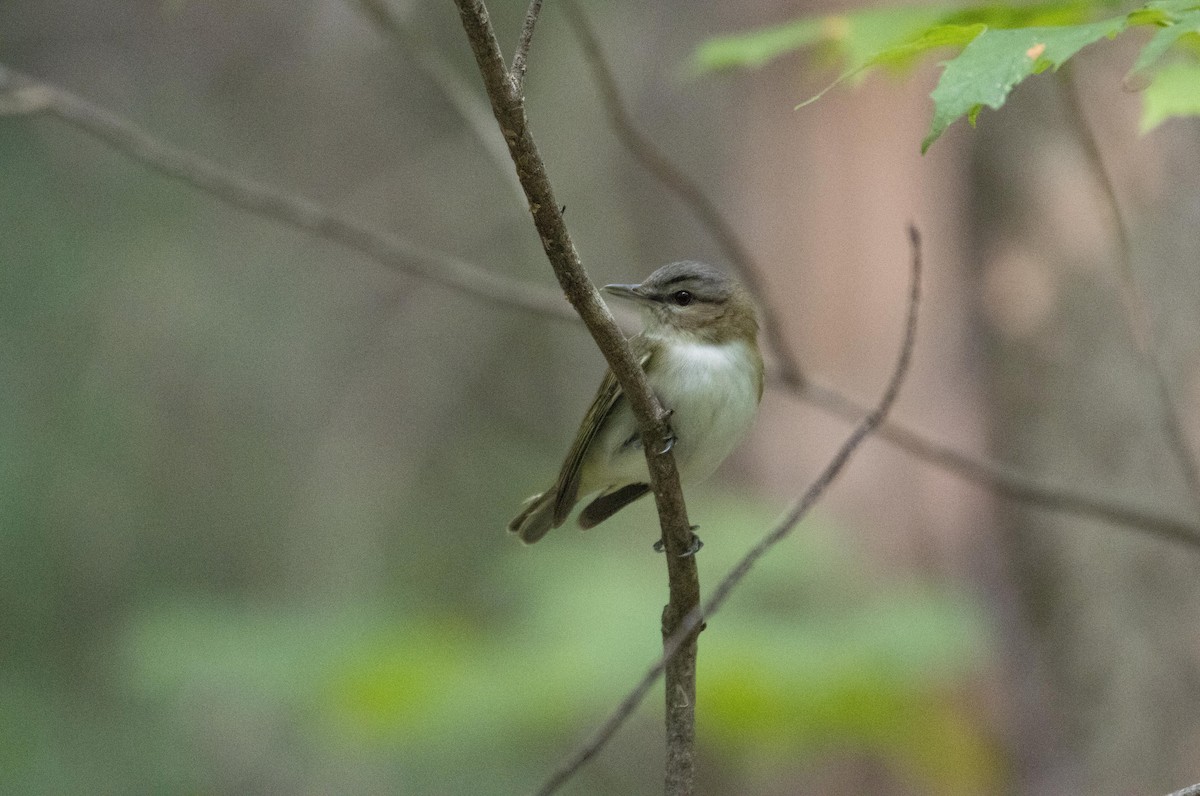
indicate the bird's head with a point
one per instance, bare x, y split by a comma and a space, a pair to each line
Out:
693, 299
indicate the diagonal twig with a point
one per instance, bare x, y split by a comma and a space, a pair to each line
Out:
780, 531
1139, 315
23, 95
1003, 480
521, 56
458, 93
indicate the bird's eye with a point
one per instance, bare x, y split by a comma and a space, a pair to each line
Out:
681, 297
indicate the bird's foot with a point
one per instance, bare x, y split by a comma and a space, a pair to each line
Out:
669, 439
693, 547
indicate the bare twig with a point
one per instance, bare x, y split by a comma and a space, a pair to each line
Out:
521, 56
1140, 318
1003, 480
22, 95
675, 179
782, 528
1191, 790
461, 96
296, 211
868, 425
684, 584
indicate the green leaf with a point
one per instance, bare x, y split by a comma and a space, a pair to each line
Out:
954, 29
1002, 45
1072, 12
1182, 25
881, 35
997, 60
901, 55
932, 39
756, 48
1174, 91
853, 39
866, 34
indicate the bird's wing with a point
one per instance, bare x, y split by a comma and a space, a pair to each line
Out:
607, 398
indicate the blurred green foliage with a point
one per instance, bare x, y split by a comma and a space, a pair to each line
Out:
1000, 45
810, 657
1174, 92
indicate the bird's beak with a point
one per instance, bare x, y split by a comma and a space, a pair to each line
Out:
631, 292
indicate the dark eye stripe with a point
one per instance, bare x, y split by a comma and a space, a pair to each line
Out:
675, 280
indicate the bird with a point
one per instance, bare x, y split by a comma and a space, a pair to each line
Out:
699, 350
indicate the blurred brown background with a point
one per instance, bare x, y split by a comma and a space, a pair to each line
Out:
254, 484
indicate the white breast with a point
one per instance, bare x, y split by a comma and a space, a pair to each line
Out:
713, 390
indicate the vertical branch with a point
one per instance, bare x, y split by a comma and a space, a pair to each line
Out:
509, 110
1140, 317
679, 677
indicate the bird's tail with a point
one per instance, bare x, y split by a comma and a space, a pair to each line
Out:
536, 517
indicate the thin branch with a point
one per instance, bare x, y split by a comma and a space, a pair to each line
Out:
521, 56
684, 584
781, 530
461, 95
675, 179
21, 95
1140, 317
1005, 481
868, 425
1191, 790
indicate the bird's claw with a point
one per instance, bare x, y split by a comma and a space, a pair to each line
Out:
669, 439
668, 443
693, 547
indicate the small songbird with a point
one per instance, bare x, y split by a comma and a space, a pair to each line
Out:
699, 350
